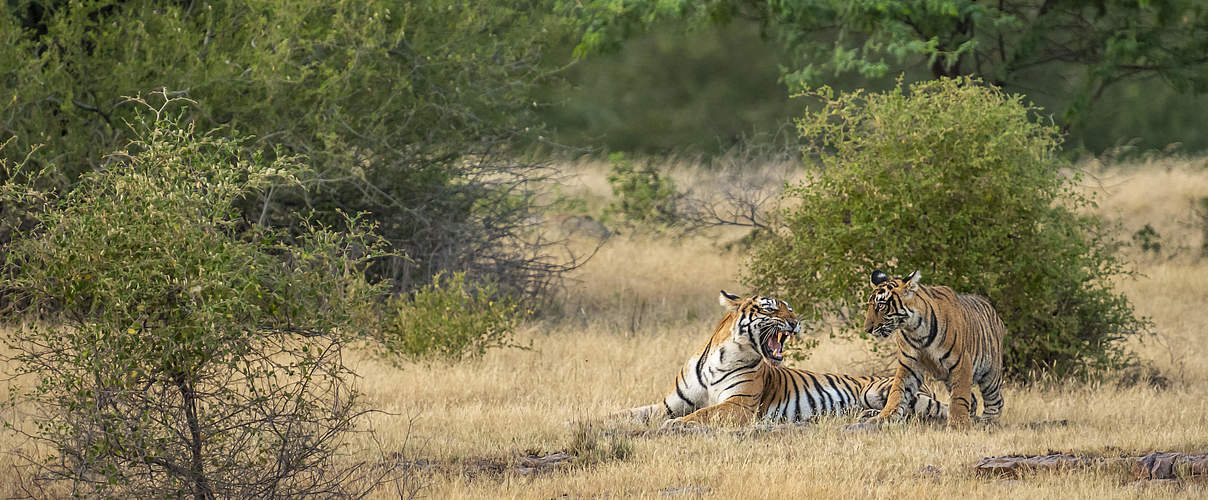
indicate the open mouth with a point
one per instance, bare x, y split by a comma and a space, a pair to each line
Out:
773, 347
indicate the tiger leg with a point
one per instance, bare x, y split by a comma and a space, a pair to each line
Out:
873, 396
674, 405
961, 383
902, 394
991, 389
641, 415
927, 408
728, 412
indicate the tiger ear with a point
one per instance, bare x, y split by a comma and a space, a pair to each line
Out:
912, 281
878, 277
729, 301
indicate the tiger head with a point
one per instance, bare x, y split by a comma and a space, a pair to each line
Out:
761, 323
887, 309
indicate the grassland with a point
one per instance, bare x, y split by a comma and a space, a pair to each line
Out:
635, 311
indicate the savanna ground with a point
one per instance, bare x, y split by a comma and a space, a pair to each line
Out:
634, 312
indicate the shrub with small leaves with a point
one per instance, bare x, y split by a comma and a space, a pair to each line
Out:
642, 195
413, 113
450, 318
955, 179
1148, 240
174, 349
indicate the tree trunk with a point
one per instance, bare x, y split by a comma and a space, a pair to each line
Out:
201, 484
939, 69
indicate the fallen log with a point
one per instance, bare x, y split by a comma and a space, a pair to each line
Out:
1169, 466
1158, 465
1018, 465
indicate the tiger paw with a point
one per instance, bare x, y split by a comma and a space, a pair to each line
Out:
679, 425
959, 423
881, 419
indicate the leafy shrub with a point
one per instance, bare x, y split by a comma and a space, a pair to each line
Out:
643, 196
1148, 239
450, 317
179, 351
409, 112
963, 183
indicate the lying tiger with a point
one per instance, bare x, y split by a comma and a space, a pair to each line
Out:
736, 377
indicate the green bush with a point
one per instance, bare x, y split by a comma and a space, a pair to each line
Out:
1148, 240
963, 183
171, 348
449, 318
642, 195
409, 112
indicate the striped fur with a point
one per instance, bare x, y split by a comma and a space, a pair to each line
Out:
736, 376
953, 337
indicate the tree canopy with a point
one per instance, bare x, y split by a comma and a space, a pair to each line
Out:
407, 111
1080, 47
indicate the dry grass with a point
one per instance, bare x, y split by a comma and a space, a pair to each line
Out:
1170, 286
645, 302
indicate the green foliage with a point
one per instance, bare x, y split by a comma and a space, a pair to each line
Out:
1148, 239
1092, 46
642, 195
1144, 117
178, 350
407, 111
662, 93
957, 180
449, 318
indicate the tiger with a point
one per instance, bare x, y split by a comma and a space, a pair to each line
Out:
956, 338
737, 376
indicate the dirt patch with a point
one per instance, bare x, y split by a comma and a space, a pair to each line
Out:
1044, 424
685, 491
1158, 466
753, 431
525, 464
929, 472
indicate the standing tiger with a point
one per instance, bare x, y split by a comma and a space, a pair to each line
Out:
955, 338
736, 376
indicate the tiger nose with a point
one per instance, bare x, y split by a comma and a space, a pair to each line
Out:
868, 329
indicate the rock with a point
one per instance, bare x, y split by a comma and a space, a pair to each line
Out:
1168, 466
